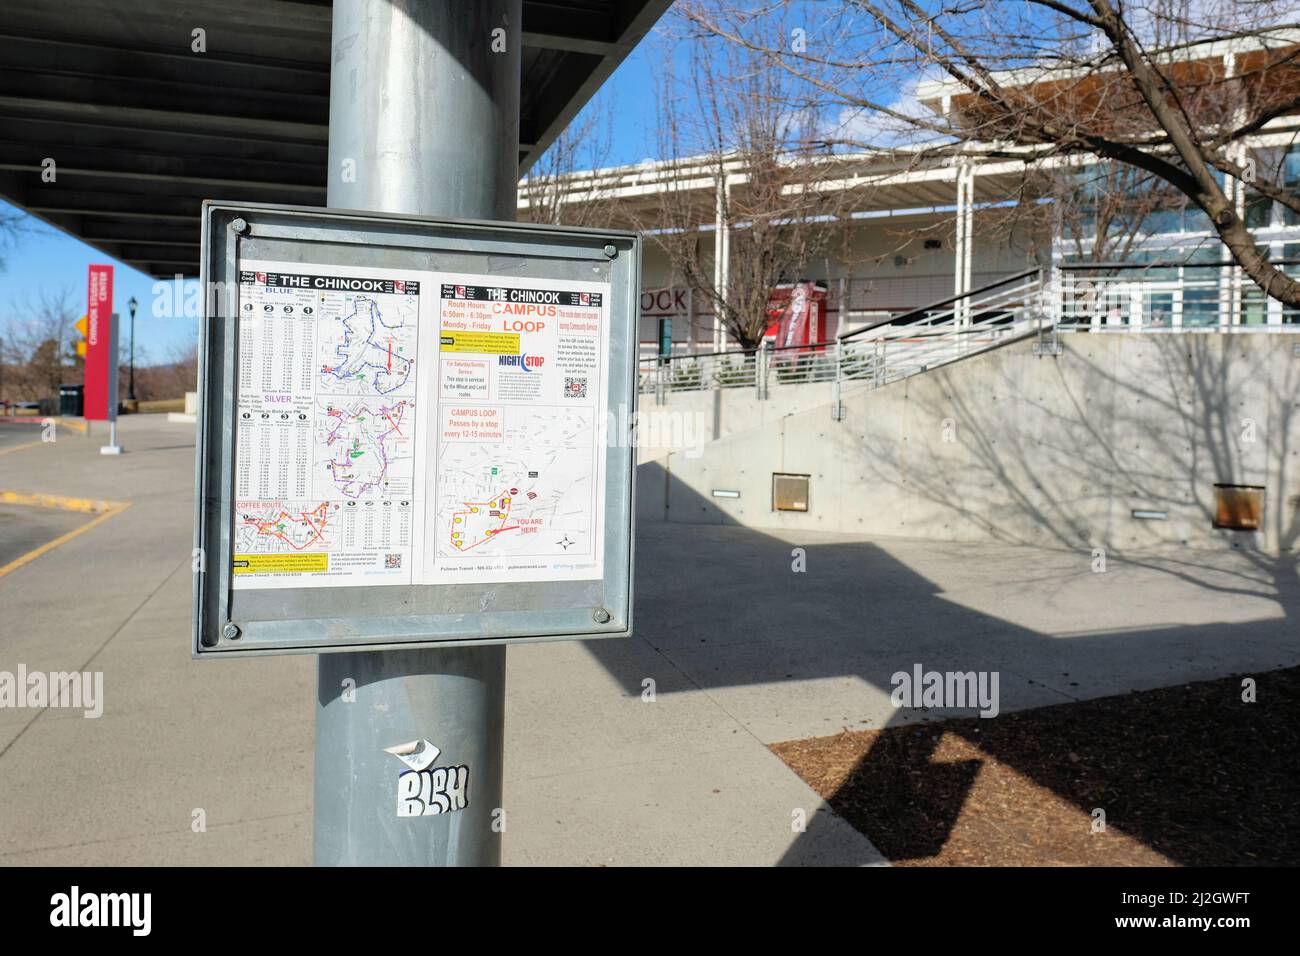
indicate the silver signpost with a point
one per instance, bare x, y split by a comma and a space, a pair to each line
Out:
415, 438
112, 448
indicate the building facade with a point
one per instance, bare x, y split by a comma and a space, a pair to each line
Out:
916, 228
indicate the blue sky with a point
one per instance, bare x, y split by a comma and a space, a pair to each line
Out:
631, 93
45, 260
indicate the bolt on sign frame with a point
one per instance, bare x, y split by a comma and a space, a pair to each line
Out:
331, 615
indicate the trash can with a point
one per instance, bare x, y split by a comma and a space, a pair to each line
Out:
72, 400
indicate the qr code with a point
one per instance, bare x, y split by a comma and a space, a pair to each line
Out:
392, 561
575, 387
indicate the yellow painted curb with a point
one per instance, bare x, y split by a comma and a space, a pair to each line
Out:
102, 510
90, 506
29, 444
69, 423
72, 423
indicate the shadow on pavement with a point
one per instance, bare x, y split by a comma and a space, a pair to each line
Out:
1195, 775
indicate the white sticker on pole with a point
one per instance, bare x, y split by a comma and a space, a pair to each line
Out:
424, 790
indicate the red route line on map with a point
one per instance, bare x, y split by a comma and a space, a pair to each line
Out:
505, 516
318, 534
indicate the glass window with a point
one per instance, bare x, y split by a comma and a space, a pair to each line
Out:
1204, 267
1291, 180
1259, 211
1164, 221
1291, 250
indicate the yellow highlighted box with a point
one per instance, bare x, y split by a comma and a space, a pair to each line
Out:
486, 343
279, 563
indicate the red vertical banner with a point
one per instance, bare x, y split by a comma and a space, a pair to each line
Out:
796, 313
101, 346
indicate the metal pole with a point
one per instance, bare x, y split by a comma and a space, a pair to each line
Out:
112, 448
130, 387
837, 407
424, 107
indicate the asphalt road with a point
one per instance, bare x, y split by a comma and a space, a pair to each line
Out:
12, 434
24, 528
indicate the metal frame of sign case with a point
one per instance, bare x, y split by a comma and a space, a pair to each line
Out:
320, 619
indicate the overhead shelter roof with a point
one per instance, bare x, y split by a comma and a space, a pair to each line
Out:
142, 128
904, 182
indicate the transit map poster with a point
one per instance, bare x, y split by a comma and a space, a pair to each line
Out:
398, 427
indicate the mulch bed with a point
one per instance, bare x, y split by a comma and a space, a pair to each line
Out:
1187, 775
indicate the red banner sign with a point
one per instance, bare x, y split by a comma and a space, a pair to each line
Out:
796, 314
101, 347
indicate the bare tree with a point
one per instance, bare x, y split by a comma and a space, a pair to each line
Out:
169, 378
12, 225
731, 116
38, 352
565, 170
1044, 81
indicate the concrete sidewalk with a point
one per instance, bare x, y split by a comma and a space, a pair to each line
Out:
594, 774
232, 740
742, 652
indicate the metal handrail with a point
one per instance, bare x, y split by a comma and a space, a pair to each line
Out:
1220, 264
1009, 303
942, 303
921, 339
827, 343
891, 354
796, 348
698, 355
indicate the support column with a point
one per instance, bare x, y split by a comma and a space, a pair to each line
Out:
690, 319
424, 107
970, 233
1230, 298
962, 248
721, 260
846, 283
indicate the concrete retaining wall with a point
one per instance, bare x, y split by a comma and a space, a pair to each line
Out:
687, 417
1011, 446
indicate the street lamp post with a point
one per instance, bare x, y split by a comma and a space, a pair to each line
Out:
130, 387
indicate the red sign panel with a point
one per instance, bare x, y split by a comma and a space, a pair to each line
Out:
796, 314
101, 347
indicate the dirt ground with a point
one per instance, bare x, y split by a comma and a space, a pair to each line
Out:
1188, 775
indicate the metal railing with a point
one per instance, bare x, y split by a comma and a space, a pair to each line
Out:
1008, 292
1167, 297
693, 373
1086, 297
875, 355
945, 331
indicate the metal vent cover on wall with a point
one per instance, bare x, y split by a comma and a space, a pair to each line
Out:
1238, 507
789, 492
